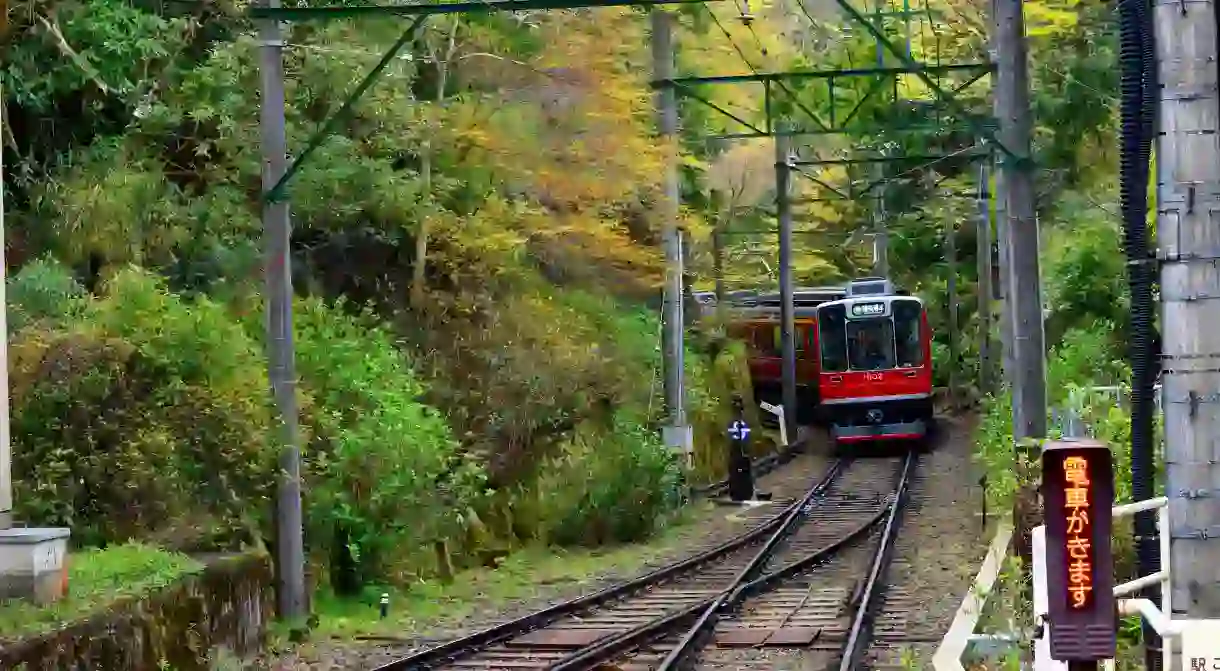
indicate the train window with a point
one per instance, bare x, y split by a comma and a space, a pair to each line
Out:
871, 344
907, 327
777, 340
834, 338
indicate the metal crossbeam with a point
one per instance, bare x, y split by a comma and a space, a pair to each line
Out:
982, 67
328, 13
891, 159
922, 73
773, 231
980, 120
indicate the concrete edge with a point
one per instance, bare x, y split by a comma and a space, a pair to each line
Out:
948, 656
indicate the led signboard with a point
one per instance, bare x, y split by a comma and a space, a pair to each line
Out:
1078, 498
867, 309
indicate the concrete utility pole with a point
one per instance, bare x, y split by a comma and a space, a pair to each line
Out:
672, 334
290, 542
6, 462
1188, 203
1021, 232
951, 260
983, 252
787, 318
881, 231
1000, 196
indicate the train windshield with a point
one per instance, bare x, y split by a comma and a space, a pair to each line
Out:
878, 343
907, 327
870, 343
833, 338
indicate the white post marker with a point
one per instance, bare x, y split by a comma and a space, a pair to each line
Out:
1042, 646
778, 411
31, 560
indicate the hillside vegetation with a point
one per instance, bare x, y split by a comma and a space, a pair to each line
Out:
476, 254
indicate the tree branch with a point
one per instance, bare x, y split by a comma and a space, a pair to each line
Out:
66, 49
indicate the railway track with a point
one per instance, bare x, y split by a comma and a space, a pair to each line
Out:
664, 620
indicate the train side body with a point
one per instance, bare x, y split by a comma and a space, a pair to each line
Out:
756, 321
875, 377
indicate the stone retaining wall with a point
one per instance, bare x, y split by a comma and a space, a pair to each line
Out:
224, 608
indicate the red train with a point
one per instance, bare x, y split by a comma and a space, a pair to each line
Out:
864, 358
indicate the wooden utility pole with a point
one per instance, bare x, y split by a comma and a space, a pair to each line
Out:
783, 208
983, 252
277, 227
678, 434
1188, 200
1021, 232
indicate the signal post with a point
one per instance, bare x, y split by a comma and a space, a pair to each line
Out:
1078, 497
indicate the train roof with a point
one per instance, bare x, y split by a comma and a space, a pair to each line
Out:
852, 300
801, 296
772, 313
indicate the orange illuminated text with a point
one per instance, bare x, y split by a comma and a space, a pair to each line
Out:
1079, 544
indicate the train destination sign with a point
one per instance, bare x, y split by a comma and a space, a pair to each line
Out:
867, 309
1078, 498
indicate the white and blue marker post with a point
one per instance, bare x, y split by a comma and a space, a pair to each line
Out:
741, 473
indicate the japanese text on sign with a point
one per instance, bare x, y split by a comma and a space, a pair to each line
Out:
1199, 650
1079, 544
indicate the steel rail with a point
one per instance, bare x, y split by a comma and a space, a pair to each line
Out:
862, 624
607, 649
730, 597
460, 647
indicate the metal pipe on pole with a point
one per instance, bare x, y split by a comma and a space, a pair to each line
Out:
277, 227
1188, 199
983, 253
783, 208
678, 433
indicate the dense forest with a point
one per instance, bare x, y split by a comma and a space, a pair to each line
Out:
476, 256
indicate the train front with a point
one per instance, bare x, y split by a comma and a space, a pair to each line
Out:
875, 380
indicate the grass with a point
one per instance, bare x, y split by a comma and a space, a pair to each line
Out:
97, 579
525, 575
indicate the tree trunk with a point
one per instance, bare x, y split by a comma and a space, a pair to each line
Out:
420, 267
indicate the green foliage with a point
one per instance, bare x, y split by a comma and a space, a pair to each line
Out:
1085, 356
148, 418
1085, 267
107, 44
384, 468
610, 486
43, 291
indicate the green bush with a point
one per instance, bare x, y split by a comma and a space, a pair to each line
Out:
147, 419
43, 290
386, 477
611, 485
